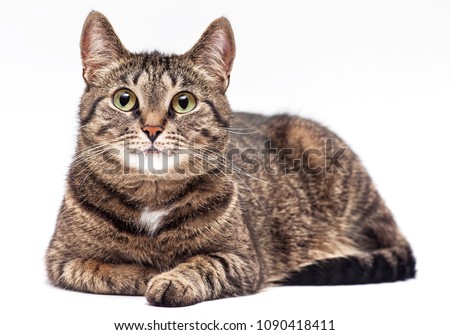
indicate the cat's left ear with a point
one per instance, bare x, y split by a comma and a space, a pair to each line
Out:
215, 50
100, 46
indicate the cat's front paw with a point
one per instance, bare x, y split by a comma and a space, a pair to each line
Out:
171, 290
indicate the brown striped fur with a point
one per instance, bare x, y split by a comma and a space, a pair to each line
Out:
215, 230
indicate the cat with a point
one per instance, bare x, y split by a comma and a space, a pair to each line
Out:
174, 197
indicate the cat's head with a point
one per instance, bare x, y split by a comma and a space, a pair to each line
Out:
150, 113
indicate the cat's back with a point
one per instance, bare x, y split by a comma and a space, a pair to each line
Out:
248, 121
292, 169
280, 131
289, 161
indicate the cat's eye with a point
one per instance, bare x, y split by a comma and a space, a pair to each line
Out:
125, 100
183, 102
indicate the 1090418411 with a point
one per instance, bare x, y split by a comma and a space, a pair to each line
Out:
299, 325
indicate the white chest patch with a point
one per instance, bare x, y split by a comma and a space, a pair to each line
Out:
150, 219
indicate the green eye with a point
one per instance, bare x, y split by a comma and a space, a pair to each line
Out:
125, 100
183, 102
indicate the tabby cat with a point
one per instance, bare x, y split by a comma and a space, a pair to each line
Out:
174, 197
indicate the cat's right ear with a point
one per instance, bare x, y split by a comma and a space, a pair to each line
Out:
100, 46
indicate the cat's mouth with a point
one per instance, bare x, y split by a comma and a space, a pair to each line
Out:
152, 150
155, 151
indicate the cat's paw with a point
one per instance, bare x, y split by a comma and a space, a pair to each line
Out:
170, 290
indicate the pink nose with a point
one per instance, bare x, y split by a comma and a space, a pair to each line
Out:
152, 132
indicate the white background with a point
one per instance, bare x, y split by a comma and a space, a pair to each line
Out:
376, 72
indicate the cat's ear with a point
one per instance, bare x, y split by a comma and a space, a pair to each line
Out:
215, 50
99, 45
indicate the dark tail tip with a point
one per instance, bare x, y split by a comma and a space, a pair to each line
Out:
385, 266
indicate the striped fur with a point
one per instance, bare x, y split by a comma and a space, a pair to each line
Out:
207, 231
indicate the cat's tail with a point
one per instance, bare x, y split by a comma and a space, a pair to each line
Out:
382, 265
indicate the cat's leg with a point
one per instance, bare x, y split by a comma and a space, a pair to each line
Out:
89, 275
205, 277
